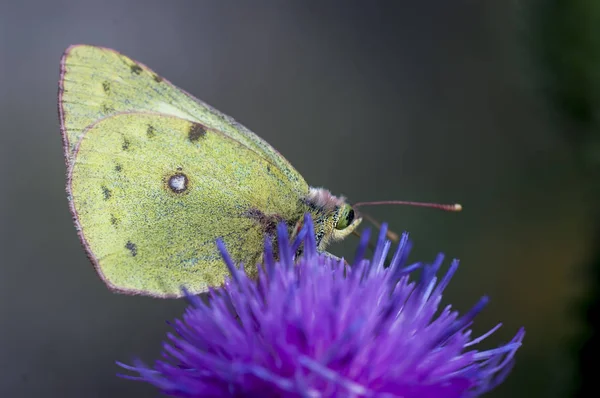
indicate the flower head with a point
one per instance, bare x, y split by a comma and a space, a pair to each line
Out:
316, 327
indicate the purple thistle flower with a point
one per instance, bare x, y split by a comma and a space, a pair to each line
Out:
321, 328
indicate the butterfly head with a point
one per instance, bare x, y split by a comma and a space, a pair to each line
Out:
334, 218
346, 221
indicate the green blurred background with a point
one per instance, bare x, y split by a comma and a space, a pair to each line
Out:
492, 104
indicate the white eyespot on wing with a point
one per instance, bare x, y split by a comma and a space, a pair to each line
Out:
178, 182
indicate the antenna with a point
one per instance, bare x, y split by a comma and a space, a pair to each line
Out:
445, 207
392, 235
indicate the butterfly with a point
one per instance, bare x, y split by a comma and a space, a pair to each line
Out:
155, 176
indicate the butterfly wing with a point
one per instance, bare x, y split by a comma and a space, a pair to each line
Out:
98, 82
151, 193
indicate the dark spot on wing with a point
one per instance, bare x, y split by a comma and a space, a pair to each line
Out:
114, 220
118, 168
267, 222
150, 131
126, 144
268, 168
135, 68
107, 109
157, 78
106, 192
132, 248
106, 87
196, 132
178, 182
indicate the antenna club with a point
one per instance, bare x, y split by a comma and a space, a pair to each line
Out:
457, 207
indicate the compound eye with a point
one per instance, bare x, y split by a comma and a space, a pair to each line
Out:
346, 217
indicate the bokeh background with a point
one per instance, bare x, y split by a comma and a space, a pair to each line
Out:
447, 101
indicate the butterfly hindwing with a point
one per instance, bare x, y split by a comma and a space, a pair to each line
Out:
151, 193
